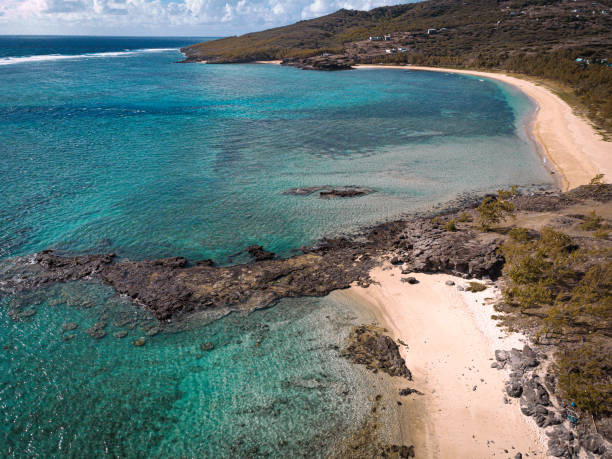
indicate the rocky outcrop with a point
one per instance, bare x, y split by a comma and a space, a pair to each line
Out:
367, 345
57, 268
323, 62
258, 253
426, 247
345, 192
331, 192
171, 288
537, 399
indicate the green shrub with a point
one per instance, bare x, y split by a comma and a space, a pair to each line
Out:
519, 234
592, 222
529, 296
601, 233
585, 377
450, 226
553, 242
476, 287
494, 210
436, 220
464, 217
597, 180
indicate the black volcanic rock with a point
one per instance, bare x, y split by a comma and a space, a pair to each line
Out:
349, 191
327, 63
258, 252
345, 192
170, 288
367, 345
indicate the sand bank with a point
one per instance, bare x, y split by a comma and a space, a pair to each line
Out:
450, 340
567, 140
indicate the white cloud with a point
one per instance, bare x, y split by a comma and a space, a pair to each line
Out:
163, 17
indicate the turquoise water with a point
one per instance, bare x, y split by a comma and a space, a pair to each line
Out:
150, 158
273, 384
117, 147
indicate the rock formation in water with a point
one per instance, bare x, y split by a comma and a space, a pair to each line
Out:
172, 288
369, 346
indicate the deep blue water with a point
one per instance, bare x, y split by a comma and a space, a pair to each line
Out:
108, 144
50, 46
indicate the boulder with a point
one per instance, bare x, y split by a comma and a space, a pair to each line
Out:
557, 447
258, 252
516, 359
529, 358
501, 356
367, 345
514, 389
408, 391
526, 405
594, 444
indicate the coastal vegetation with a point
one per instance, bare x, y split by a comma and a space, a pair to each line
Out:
476, 287
565, 289
566, 43
494, 209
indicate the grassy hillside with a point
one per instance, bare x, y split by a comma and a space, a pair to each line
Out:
541, 38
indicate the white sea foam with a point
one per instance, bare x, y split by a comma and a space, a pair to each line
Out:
56, 57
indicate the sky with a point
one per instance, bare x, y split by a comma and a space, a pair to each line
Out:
212, 18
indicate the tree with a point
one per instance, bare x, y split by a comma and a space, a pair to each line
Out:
495, 209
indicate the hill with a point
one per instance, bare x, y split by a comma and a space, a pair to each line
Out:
541, 38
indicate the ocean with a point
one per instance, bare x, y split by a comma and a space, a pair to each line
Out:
108, 144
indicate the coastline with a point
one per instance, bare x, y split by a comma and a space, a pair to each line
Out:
573, 147
568, 143
450, 341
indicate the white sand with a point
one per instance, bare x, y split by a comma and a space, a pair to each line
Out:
568, 141
451, 342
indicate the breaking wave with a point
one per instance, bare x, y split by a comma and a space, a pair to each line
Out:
56, 57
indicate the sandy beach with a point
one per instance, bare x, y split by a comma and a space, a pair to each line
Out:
568, 141
450, 340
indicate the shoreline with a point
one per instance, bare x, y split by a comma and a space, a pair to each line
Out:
568, 142
450, 341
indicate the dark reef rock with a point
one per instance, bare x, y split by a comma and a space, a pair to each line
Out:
170, 288
409, 391
97, 331
61, 269
305, 190
367, 345
327, 191
207, 262
258, 252
345, 192
410, 280
323, 62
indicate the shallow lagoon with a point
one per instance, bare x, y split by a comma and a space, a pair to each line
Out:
148, 158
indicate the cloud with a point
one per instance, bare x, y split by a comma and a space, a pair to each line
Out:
163, 17
65, 6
